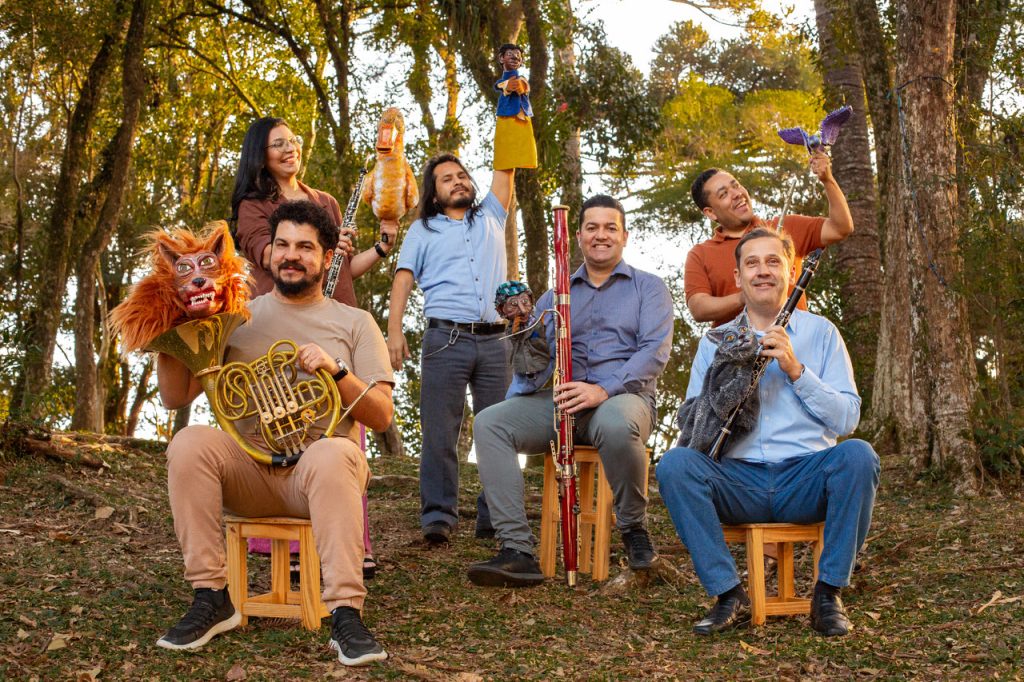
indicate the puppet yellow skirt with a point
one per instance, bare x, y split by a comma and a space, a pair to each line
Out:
514, 146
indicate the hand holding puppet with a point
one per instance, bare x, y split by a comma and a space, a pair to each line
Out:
514, 144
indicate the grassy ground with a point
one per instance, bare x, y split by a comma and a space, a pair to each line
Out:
940, 596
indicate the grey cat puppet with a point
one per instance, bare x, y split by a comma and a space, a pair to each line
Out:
727, 379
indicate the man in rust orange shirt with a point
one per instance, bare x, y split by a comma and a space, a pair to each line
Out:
711, 291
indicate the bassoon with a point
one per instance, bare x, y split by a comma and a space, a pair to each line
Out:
761, 363
562, 450
347, 221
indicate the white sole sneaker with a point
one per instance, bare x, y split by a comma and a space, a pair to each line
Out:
365, 659
223, 626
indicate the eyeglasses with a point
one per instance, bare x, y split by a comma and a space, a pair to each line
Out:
292, 142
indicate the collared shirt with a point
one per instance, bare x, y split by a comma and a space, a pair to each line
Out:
621, 333
799, 417
710, 264
512, 103
458, 263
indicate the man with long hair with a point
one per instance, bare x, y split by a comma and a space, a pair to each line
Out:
455, 251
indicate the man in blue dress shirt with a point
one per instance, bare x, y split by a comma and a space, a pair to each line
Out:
789, 468
621, 339
456, 252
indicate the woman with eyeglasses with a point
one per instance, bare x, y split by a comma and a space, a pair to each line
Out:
268, 175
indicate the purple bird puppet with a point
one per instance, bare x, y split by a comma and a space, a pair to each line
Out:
827, 133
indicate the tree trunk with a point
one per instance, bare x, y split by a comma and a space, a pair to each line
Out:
571, 166
142, 395
943, 348
533, 206
88, 405
858, 256
45, 311
390, 442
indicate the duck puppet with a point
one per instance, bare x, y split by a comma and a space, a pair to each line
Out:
391, 190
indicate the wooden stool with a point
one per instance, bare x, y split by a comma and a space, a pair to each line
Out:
596, 514
281, 601
755, 535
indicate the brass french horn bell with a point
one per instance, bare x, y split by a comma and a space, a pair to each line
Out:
268, 388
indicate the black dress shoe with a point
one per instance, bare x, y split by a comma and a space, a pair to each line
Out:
484, 533
437, 533
510, 568
731, 609
639, 551
828, 616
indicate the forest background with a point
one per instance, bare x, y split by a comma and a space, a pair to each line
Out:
117, 116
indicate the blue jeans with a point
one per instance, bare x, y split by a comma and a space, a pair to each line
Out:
836, 485
451, 361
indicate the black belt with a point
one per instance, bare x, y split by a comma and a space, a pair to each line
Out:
468, 327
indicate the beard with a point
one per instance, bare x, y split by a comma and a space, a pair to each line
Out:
462, 201
300, 286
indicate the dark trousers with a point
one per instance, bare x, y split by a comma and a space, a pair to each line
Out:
452, 360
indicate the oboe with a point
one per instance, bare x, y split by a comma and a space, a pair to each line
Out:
562, 451
761, 363
347, 221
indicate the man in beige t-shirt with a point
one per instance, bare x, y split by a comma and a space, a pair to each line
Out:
208, 471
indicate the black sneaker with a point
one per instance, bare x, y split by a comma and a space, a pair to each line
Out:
437, 533
639, 550
484, 533
355, 644
211, 613
510, 568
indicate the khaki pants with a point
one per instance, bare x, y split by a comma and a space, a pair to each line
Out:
208, 472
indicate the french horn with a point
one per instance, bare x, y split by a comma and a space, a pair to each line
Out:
268, 388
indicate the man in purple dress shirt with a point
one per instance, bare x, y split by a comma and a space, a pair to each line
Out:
621, 339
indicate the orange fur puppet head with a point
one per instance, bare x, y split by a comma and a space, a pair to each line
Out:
191, 276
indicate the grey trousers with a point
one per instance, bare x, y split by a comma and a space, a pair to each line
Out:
618, 428
451, 361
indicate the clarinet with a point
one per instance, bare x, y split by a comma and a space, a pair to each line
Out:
347, 221
761, 363
562, 451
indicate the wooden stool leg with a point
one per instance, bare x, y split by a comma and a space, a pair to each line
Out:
585, 489
818, 546
280, 571
784, 570
309, 578
603, 531
755, 574
548, 519
238, 578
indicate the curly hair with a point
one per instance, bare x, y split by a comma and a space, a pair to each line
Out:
152, 307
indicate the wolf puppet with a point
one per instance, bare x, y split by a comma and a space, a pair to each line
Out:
191, 277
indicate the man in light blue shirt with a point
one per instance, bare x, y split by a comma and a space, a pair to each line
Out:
788, 468
621, 340
456, 252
